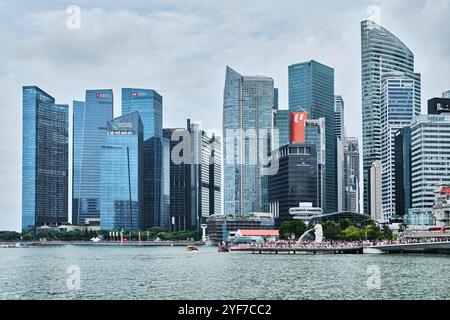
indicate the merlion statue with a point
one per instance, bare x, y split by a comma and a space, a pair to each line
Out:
318, 231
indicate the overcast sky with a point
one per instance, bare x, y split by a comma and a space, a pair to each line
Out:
182, 48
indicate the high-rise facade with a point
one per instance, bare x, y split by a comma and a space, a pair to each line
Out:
215, 176
403, 171
376, 209
149, 104
45, 159
275, 98
430, 158
397, 111
165, 221
353, 188
311, 89
121, 178
446, 94
438, 105
296, 180
195, 176
315, 135
247, 125
339, 117
281, 128
89, 134
340, 175
381, 52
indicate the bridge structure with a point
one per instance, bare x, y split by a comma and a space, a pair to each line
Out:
437, 247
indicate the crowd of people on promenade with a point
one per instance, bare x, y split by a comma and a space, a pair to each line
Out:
339, 244
292, 244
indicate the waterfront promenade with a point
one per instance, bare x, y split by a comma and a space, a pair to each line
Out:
430, 245
105, 243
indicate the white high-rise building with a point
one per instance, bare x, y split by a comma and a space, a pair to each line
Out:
430, 158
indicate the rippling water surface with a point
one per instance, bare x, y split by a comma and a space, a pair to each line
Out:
172, 273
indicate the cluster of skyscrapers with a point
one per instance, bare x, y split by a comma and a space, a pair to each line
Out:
131, 173
123, 176
406, 155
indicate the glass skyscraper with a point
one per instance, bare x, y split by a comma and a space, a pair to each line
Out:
339, 117
381, 52
89, 134
247, 124
315, 135
282, 122
45, 159
121, 191
195, 182
311, 89
397, 111
149, 104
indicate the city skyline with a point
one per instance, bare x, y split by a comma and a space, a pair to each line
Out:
13, 79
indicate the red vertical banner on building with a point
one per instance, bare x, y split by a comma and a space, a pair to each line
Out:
298, 123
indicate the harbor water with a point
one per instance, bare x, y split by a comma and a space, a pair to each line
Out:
114, 272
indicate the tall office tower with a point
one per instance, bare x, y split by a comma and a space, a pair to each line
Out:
315, 135
353, 203
397, 111
45, 156
295, 182
275, 98
446, 94
338, 116
340, 175
164, 219
121, 179
149, 104
201, 149
311, 89
430, 158
438, 105
89, 134
195, 176
282, 128
403, 171
381, 52
376, 208
247, 127
215, 176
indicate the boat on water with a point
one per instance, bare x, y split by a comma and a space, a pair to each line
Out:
224, 249
15, 245
192, 248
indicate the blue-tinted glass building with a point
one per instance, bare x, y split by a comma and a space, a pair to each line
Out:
121, 192
89, 134
247, 126
45, 157
311, 89
149, 104
165, 221
282, 123
397, 111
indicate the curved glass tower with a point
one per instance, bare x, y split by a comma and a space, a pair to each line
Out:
381, 52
